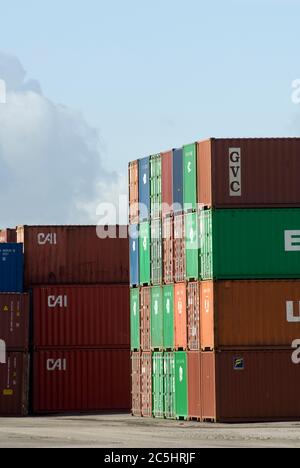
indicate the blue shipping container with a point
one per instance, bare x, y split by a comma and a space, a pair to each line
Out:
178, 180
134, 254
144, 188
11, 268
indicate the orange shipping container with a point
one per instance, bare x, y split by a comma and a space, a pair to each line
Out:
180, 317
239, 314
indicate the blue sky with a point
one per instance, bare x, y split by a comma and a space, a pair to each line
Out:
155, 75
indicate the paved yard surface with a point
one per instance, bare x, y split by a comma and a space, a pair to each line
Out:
126, 432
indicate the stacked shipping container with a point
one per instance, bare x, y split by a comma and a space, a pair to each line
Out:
228, 303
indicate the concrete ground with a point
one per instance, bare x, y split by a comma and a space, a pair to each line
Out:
123, 431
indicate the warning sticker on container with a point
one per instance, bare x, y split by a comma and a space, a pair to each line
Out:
239, 364
8, 392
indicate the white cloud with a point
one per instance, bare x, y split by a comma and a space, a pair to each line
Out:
50, 164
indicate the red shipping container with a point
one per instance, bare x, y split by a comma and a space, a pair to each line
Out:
136, 384
180, 316
193, 316
71, 381
194, 381
167, 182
249, 172
145, 308
81, 316
14, 321
74, 255
8, 236
250, 386
146, 385
168, 250
179, 248
14, 384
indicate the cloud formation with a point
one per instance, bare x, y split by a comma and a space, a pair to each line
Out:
50, 164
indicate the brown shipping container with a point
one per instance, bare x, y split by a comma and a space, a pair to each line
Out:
14, 321
136, 384
145, 306
74, 255
167, 182
237, 314
81, 316
14, 384
194, 380
168, 247
134, 192
8, 236
67, 381
180, 316
261, 172
193, 316
250, 386
146, 385
179, 248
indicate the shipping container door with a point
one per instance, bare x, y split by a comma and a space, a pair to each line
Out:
156, 252
158, 385
192, 246
194, 379
193, 316
145, 317
190, 177
136, 384
134, 254
169, 385
14, 384
155, 192
168, 292
144, 189
146, 385
206, 244
181, 383
157, 338
144, 250
135, 319
178, 180
180, 311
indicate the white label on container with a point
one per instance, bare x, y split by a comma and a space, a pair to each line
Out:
49, 238
2, 352
56, 365
296, 353
156, 307
189, 167
180, 308
57, 301
292, 241
134, 309
145, 179
133, 246
290, 309
235, 172
168, 306
180, 374
145, 243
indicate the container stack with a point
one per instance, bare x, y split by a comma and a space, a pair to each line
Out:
223, 325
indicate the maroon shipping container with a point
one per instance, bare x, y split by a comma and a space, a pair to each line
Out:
71, 381
8, 236
167, 182
168, 250
193, 318
136, 384
145, 306
74, 255
14, 321
250, 386
194, 380
262, 172
179, 248
81, 316
146, 385
14, 384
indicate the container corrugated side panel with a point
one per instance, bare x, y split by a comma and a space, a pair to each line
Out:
135, 326
81, 316
145, 254
14, 384
180, 312
157, 318
155, 186
204, 172
190, 176
75, 254
14, 320
8, 236
167, 183
168, 250
144, 188
194, 379
134, 255
193, 316
146, 385
136, 384
169, 385
11, 268
206, 244
156, 252
133, 174
255, 244
158, 385
178, 180
192, 271
179, 248
181, 384
257, 386
68, 381
145, 317
168, 311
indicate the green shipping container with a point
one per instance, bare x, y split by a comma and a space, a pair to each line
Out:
155, 186
168, 306
250, 243
192, 265
156, 251
181, 385
190, 176
157, 336
158, 385
144, 252
135, 319
169, 385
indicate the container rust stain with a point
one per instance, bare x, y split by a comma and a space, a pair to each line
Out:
14, 320
74, 254
261, 172
93, 381
14, 384
81, 316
